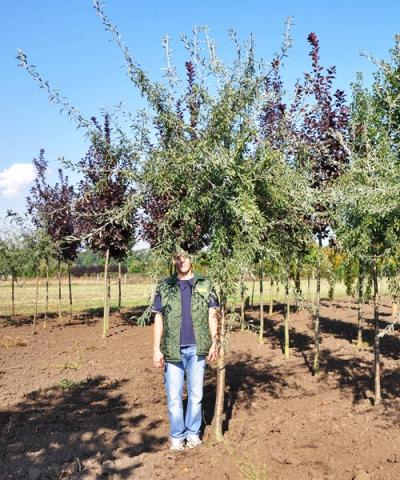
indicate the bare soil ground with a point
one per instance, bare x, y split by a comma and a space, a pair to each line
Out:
75, 406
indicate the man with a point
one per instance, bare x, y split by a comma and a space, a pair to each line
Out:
185, 333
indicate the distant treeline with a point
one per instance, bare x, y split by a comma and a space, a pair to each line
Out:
90, 263
81, 271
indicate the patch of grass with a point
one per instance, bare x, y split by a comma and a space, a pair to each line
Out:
247, 469
67, 384
86, 293
250, 472
68, 366
10, 342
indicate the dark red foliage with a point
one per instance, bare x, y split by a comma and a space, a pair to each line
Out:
52, 209
191, 237
320, 129
102, 193
317, 142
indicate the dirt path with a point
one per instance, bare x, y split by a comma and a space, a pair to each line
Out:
75, 406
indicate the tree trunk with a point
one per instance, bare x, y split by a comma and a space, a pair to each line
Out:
70, 292
317, 310
271, 296
261, 336
12, 296
395, 309
242, 301
46, 313
119, 287
220, 393
252, 291
309, 287
297, 286
377, 366
287, 317
36, 303
360, 309
106, 312
59, 289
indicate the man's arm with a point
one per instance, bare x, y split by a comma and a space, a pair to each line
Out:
158, 357
213, 325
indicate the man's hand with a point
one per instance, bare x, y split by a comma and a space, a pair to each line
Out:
158, 359
213, 353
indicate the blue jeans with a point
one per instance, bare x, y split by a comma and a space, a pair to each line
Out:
174, 375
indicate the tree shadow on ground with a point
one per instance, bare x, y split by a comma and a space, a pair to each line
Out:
274, 332
356, 375
247, 379
93, 316
344, 305
351, 374
131, 315
74, 430
23, 320
390, 345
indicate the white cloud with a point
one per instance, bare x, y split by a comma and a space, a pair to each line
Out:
14, 179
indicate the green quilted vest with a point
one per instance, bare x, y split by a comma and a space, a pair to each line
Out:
172, 316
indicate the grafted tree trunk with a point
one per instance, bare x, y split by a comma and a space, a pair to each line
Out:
36, 303
252, 290
106, 312
297, 284
70, 292
287, 318
242, 301
220, 393
377, 366
119, 288
395, 309
317, 311
261, 335
12, 296
59, 289
271, 296
360, 313
395, 301
46, 312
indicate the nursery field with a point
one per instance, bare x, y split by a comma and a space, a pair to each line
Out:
76, 406
278, 177
88, 294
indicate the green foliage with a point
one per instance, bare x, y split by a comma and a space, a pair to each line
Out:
209, 175
138, 260
89, 258
67, 384
14, 255
368, 218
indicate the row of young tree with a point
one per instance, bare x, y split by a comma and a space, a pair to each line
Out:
229, 165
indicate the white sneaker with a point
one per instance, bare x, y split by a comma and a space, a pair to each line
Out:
193, 442
177, 445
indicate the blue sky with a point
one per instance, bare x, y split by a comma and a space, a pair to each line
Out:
66, 42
